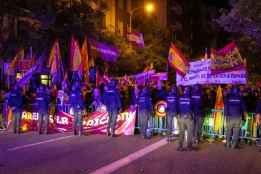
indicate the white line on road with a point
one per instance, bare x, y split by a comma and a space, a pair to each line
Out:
39, 143
130, 158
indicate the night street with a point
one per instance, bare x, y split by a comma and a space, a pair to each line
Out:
130, 87
63, 153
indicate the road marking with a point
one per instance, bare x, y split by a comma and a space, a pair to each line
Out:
130, 158
39, 143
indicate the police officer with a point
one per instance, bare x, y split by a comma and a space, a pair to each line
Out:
15, 101
172, 109
258, 117
185, 121
42, 103
77, 104
197, 109
111, 99
144, 110
234, 110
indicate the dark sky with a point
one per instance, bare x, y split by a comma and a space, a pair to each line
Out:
218, 3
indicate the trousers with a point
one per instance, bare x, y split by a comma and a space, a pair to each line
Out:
185, 123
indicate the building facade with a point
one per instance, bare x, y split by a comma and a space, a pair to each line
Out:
117, 15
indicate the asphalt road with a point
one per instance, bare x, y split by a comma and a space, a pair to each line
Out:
30, 153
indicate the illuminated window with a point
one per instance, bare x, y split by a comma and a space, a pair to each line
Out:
45, 79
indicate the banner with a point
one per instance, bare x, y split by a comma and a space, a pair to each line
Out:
143, 78
200, 73
228, 59
93, 123
105, 51
136, 39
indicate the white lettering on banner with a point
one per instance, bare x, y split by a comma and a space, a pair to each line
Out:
200, 73
29, 116
62, 120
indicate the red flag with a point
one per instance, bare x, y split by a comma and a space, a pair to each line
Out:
98, 78
85, 59
228, 59
19, 56
55, 58
177, 60
75, 56
85, 55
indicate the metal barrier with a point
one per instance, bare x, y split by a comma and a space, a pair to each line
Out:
215, 125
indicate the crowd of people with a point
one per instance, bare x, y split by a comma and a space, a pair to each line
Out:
187, 104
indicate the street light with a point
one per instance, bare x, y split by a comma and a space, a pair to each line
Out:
149, 8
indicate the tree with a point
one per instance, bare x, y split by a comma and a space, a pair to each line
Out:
38, 23
244, 18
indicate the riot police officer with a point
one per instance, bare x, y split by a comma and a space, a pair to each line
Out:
15, 101
197, 109
234, 110
77, 104
185, 121
172, 108
111, 99
42, 105
144, 110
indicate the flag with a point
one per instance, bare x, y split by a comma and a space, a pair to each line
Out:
149, 67
55, 63
19, 56
206, 53
136, 38
213, 53
218, 116
228, 59
85, 59
75, 56
27, 76
177, 60
98, 78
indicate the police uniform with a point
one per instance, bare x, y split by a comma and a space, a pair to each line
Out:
197, 109
234, 110
42, 103
15, 100
185, 121
144, 110
258, 111
111, 99
172, 108
77, 104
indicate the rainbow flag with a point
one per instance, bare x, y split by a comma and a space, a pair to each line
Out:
75, 56
177, 60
